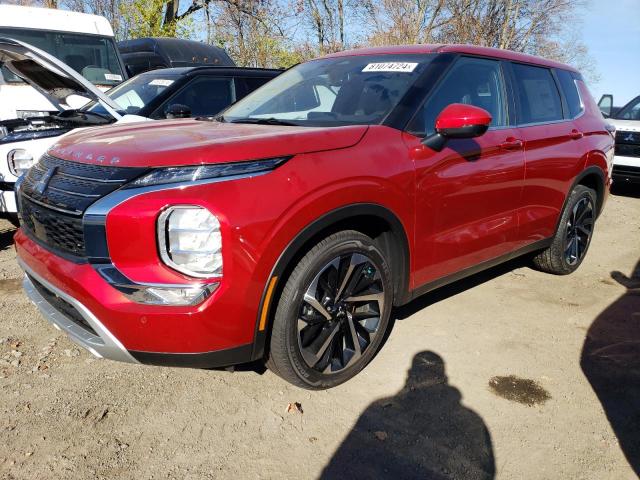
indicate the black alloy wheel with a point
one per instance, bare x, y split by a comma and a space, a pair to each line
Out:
332, 313
340, 313
579, 230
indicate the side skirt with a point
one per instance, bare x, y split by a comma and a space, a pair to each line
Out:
467, 272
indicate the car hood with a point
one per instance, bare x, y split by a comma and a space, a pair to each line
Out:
194, 142
49, 76
625, 125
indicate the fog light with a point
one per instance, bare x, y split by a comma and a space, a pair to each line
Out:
189, 241
19, 161
156, 294
173, 295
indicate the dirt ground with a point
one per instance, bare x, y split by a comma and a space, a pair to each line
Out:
512, 374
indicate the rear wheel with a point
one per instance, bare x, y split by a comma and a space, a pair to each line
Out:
572, 240
333, 312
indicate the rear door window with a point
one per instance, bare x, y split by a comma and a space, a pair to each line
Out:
538, 99
570, 90
471, 81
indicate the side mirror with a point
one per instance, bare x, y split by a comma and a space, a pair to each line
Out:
605, 104
177, 110
458, 120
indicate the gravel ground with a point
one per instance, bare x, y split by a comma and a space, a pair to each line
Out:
511, 374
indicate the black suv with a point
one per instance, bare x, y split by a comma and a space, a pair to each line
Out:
185, 92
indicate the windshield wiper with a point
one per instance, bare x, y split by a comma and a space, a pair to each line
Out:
265, 121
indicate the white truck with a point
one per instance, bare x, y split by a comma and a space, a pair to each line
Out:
626, 120
84, 42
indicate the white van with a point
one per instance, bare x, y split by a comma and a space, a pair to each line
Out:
84, 42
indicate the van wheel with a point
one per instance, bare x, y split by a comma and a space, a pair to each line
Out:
333, 312
573, 237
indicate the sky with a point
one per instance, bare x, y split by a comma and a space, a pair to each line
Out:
612, 34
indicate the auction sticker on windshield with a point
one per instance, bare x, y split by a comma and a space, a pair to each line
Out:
160, 82
390, 67
113, 77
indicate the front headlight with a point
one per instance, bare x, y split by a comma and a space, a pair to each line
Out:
19, 161
189, 241
162, 176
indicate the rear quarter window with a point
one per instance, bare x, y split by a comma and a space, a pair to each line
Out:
537, 95
570, 90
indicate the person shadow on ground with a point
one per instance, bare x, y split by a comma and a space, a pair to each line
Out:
611, 362
421, 432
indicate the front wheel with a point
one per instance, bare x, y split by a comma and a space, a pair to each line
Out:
572, 240
333, 312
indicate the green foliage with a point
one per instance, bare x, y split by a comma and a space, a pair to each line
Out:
145, 18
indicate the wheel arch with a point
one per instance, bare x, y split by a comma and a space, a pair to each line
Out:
374, 220
592, 177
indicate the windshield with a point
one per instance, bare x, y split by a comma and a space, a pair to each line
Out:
333, 91
92, 56
134, 94
631, 111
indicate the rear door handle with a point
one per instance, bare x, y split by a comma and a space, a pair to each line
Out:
576, 135
511, 143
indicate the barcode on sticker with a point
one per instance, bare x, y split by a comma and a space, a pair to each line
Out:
113, 77
406, 67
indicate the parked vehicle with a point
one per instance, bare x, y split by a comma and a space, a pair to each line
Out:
178, 92
84, 42
626, 120
144, 54
288, 227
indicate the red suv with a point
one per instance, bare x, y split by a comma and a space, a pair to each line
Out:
287, 228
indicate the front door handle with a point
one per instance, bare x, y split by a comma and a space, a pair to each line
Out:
512, 143
576, 134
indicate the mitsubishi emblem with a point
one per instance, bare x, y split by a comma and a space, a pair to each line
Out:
43, 183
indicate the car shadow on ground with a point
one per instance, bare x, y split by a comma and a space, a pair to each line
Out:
611, 362
421, 432
453, 289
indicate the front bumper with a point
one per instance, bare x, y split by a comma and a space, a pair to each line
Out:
97, 317
626, 169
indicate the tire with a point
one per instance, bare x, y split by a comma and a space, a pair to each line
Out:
338, 292
573, 236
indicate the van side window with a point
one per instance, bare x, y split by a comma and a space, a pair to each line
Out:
537, 95
472, 81
570, 89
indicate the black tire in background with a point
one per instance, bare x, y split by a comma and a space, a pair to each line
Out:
573, 237
333, 312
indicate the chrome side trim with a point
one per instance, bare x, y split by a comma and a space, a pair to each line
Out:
104, 345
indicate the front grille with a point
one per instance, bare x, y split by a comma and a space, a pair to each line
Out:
55, 194
626, 150
61, 305
628, 143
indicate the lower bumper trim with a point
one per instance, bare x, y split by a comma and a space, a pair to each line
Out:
625, 173
215, 359
97, 340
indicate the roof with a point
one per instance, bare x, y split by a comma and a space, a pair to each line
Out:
454, 48
52, 19
188, 70
176, 50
